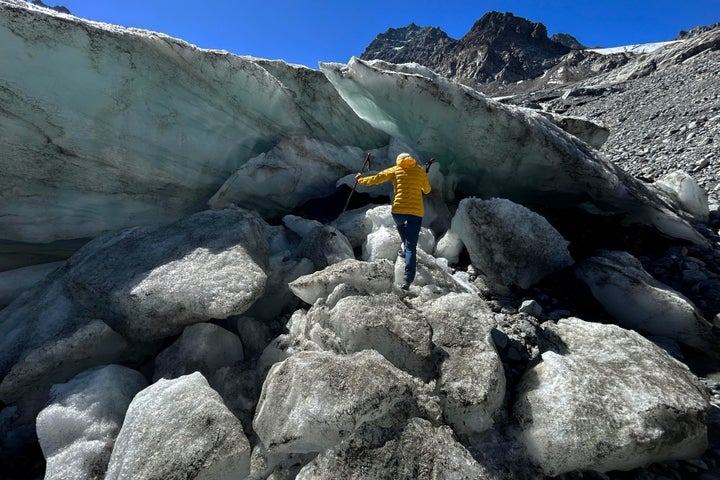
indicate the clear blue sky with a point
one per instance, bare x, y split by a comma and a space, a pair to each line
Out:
310, 31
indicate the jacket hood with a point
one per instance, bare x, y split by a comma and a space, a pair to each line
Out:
405, 160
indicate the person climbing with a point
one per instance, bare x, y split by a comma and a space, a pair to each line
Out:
410, 182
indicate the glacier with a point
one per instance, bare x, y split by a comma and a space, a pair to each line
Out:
172, 215
105, 127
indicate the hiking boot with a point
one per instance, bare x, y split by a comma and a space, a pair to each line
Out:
405, 286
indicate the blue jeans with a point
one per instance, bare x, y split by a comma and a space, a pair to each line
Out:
408, 227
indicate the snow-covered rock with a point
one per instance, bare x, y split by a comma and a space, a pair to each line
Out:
364, 277
639, 302
203, 348
604, 398
511, 244
179, 429
77, 429
314, 400
209, 265
422, 451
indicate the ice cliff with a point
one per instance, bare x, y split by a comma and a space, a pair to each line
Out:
105, 127
200, 327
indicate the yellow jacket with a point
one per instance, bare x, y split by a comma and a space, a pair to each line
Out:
409, 183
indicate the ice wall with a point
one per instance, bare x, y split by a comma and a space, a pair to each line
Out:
103, 127
495, 150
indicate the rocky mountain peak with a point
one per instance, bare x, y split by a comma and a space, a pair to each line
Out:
409, 44
502, 47
506, 27
568, 40
57, 8
684, 35
499, 47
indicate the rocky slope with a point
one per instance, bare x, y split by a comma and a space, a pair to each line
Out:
662, 109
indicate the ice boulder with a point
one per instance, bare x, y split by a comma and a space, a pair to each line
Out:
14, 282
421, 451
508, 242
457, 319
77, 429
639, 302
449, 247
590, 132
178, 429
203, 348
322, 244
364, 277
383, 240
314, 400
285, 345
295, 170
472, 386
430, 272
278, 299
283, 267
355, 224
239, 387
472, 380
254, 334
379, 322
209, 265
604, 398
46, 337
684, 192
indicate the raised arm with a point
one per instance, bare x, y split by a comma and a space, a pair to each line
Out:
384, 176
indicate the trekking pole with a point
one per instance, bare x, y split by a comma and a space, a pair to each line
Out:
430, 162
366, 163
